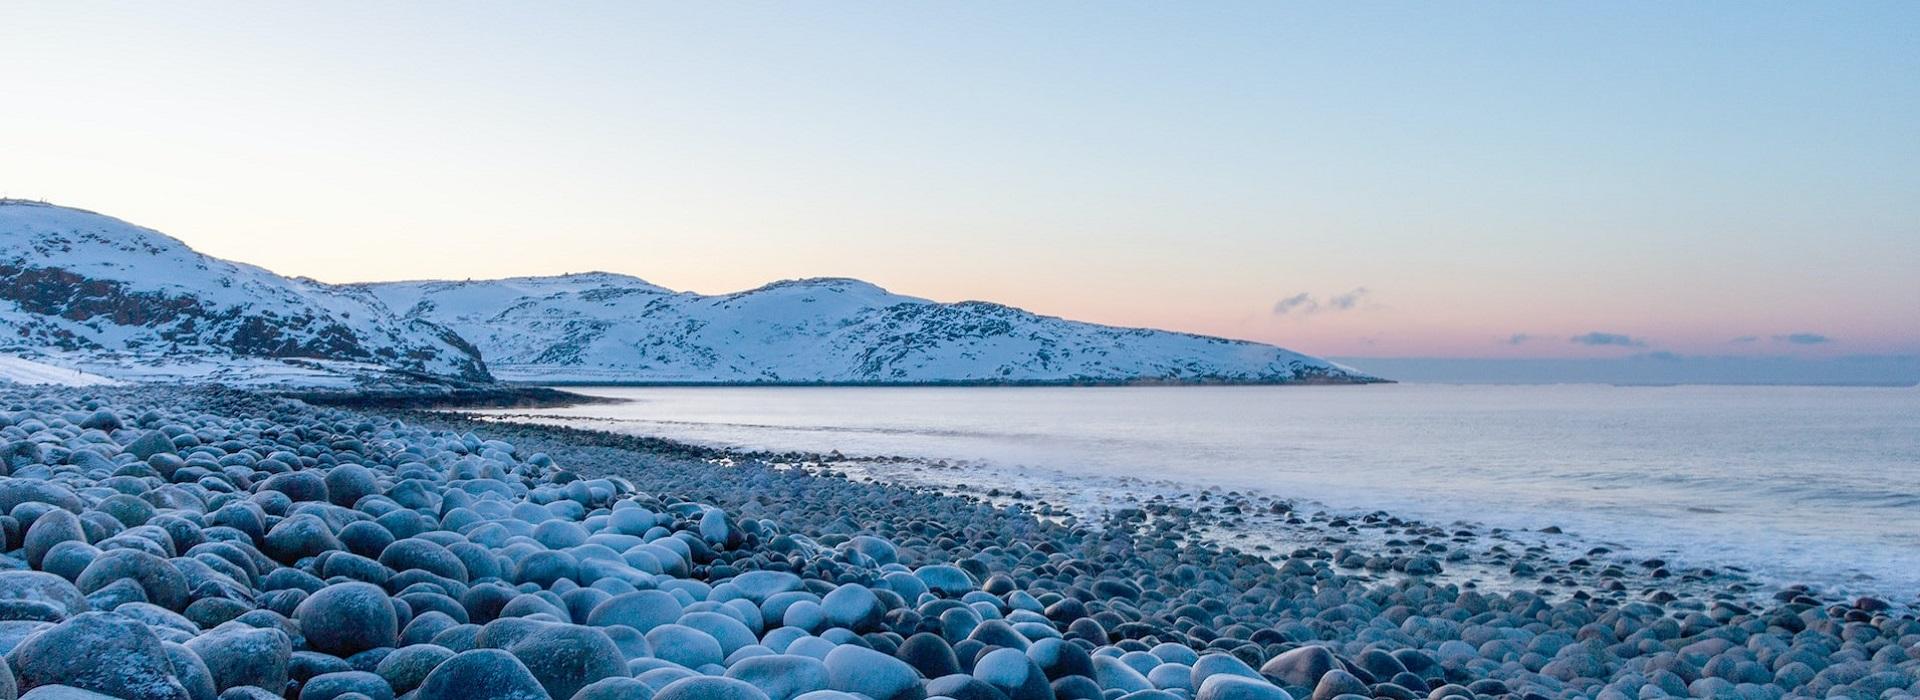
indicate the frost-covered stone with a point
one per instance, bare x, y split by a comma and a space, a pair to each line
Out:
408, 666
158, 581
944, 579
853, 606
757, 586
782, 676
482, 673
101, 652
566, 658
240, 654
329, 686
21, 591
621, 688
640, 610
51, 528
709, 688
63, 692
867, 672
685, 645
1231, 687
424, 555
347, 618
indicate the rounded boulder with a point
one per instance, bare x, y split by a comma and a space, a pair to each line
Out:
347, 618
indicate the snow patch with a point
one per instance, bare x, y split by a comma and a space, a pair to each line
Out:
19, 370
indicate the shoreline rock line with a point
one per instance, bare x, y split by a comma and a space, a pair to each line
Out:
203, 543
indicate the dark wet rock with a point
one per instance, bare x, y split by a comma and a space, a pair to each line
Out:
1077, 688
365, 538
1338, 682
929, 654
1301, 667
305, 665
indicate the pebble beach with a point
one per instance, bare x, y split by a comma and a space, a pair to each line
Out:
206, 543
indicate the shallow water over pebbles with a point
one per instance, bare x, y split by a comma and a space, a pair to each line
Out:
1799, 484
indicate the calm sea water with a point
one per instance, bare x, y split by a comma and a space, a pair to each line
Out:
1811, 484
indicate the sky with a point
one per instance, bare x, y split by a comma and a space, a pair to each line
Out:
1403, 180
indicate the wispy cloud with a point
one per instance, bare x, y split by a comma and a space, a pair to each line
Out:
1521, 339
1302, 302
1745, 339
1347, 301
1305, 303
1599, 339
1802, 338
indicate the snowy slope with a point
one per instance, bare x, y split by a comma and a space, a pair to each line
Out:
80, 283
601, 327
19, 370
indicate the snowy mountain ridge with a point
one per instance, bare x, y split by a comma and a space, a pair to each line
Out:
607, 328
94, 294
84, 285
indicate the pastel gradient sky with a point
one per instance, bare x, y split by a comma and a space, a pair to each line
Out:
1375, 179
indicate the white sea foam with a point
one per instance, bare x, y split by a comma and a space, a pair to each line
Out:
1799, 484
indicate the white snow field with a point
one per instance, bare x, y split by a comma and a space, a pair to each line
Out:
18, 370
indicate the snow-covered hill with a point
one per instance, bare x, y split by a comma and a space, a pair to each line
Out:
89, 293
94, 291
602, 327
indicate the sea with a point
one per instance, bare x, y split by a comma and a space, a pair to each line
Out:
1816, 485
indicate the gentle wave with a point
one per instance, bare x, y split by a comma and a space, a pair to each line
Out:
1810, 484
